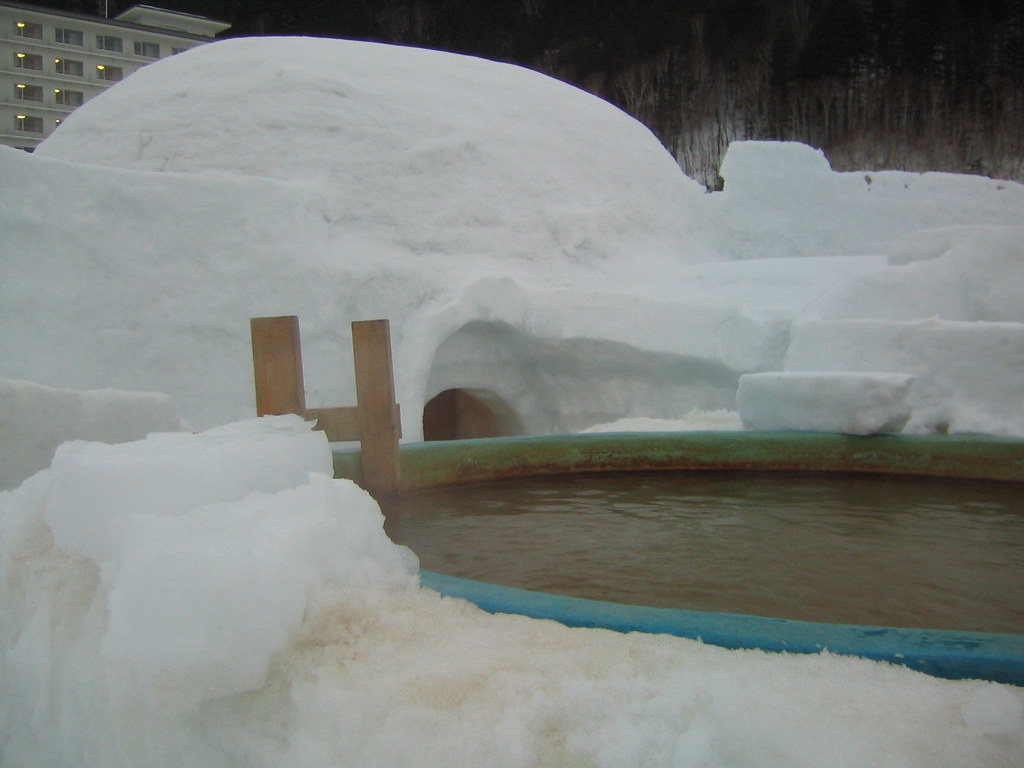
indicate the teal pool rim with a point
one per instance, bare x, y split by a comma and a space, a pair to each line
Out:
941, 653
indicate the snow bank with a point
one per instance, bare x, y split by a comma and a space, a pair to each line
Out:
233, 606
783, 199
964, 273
968, 375
143, 579
523, 237
849, 403
35, 419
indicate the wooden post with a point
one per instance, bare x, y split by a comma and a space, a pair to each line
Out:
277, 365
379, 425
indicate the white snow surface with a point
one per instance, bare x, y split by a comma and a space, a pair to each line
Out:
232, 605
216, 599
34, 420
695, 421
522, 236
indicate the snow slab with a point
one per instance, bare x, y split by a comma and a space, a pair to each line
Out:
34, 420
521, 235
234, 620
848, 403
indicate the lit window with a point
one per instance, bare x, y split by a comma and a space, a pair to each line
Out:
28, 124
28, 92
149, 50
68, 98
68, 67
28, 29
68, 36
111, 74
28, 61
108, 43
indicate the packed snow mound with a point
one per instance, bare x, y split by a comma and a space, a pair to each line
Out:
189, 560
446, 149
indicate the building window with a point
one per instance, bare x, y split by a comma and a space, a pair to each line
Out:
176, 51
69, 67
28, 29
68, 98
111, 74
68, 36
108, 43
28, 61
28, 92
149, 50
28, 124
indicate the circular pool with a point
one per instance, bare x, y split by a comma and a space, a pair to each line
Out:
907, 549
805, 546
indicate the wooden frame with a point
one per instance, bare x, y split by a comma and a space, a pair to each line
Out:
375, 421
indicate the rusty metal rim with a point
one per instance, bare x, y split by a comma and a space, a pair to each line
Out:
443, 463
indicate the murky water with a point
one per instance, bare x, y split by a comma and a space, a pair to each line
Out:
854, 549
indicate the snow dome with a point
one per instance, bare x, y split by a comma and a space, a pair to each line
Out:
441, 154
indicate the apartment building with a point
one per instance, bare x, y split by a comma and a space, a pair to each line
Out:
54, 61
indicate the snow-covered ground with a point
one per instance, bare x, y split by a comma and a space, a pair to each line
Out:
214, 599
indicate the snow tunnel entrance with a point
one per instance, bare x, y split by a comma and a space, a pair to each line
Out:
464, 413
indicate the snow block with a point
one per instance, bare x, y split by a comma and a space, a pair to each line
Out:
35, 419
850, 403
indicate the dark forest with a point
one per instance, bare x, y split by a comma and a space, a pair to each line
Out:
877, 84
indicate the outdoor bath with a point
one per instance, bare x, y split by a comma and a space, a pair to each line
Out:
900, 548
